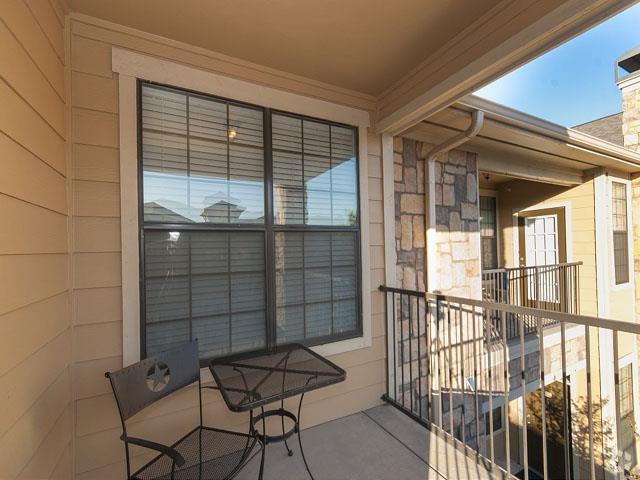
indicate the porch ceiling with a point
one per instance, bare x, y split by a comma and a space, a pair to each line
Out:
401, 60
361, 45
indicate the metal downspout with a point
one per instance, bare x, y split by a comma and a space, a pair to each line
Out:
477, 120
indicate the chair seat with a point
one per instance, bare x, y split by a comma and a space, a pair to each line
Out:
209, 454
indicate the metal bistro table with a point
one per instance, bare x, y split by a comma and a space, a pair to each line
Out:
253, 380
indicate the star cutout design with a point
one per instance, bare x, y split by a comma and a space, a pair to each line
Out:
158, 376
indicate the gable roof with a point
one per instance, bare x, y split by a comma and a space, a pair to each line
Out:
607, 128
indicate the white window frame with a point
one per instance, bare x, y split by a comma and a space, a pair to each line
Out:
132, 66
627, 183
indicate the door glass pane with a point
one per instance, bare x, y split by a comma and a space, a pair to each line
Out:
314, 172
202, 158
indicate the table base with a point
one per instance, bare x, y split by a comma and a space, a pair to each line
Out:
265, 439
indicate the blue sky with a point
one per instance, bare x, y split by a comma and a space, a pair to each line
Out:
574, 83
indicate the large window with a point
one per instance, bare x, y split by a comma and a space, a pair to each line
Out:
488, 233
249, 225
620, 235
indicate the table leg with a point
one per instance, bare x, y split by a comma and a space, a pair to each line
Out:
289, 451
304, 459
264, 445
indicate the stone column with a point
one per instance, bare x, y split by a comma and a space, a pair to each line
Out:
630, 89
452, 229
453, 248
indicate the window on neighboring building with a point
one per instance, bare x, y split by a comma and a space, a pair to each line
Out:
249, 225
497, 420
620, 234
626, 390
488, 233
627, 417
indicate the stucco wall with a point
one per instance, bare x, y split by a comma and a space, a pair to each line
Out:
96, 258
35, 343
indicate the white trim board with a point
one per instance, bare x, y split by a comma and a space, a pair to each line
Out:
132, 66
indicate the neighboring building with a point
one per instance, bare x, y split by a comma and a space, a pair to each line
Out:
541, 215
607, 128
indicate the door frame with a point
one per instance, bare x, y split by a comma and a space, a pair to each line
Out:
516, 212
561, 231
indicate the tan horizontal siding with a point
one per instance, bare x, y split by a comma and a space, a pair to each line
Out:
45, 233
35, 305
26, 330
29, 178
100, 164
24, 25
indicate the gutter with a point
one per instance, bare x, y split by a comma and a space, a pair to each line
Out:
477, 120
509, 117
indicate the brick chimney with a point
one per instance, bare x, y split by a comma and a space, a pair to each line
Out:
628, 80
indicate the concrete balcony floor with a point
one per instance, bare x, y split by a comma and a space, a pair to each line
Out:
380, 443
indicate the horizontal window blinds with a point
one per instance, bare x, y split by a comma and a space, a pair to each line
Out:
314, 172
203, 159
205, 285
217, 265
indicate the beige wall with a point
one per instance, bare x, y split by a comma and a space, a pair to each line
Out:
521, 194
35, 344
97, 315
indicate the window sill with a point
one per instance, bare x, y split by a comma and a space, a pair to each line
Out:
342, 346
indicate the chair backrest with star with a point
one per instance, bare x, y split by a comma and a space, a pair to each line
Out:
147, 381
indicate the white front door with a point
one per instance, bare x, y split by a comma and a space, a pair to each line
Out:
541, 240
541, 245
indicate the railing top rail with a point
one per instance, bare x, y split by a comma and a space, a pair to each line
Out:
403, 291
552, 266
616, 325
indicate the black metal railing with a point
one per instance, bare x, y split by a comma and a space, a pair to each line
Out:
406, 352
549, 287
459, 374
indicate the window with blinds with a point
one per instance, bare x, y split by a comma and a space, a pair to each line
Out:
227, 260
488, 233
620, 233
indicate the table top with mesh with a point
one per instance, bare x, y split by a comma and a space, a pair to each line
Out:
252, 380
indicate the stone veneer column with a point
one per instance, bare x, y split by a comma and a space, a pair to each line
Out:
455, 234
454, 249
631, 136
409, 209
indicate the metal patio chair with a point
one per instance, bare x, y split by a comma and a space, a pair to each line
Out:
202, 454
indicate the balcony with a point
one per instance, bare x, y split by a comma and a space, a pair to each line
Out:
379, 442
457, 367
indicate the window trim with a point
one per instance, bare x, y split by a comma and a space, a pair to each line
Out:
483, 192
132, 66
630, 278
629, 284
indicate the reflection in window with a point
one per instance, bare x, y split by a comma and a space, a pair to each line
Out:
314, 172
202, 159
